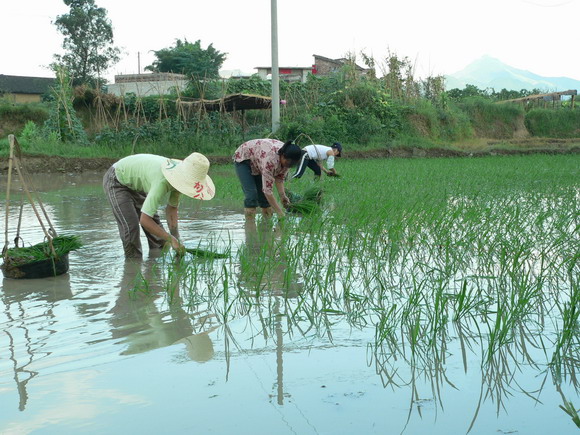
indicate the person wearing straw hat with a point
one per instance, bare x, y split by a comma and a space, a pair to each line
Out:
138, 185
260, 164
314, 155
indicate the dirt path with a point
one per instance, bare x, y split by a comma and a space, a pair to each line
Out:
52, 164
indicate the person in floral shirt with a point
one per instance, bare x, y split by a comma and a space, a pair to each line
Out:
260, 165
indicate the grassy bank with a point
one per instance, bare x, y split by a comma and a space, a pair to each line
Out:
550, 123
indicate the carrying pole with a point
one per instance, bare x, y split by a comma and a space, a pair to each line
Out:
8, 184
14, 163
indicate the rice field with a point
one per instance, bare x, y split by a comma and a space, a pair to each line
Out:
424, 296
447, 266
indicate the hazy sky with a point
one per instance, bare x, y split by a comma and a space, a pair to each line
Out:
440, 37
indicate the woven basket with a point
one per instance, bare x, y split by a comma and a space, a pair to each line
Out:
36, 269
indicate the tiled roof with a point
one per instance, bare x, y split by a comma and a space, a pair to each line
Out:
25, 85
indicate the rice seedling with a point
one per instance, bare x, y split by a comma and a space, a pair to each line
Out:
49, 258
479, 256
42, 251
203, 253
306, 203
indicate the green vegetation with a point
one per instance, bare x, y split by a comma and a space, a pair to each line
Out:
202, 253
499, 121
63, 121
361, 111
189, 59
42, 251
448, 265
14, 117
550, 123
306, 203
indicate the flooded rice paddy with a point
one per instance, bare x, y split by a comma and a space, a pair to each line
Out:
407, 322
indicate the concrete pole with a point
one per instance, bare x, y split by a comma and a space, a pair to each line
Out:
275, 72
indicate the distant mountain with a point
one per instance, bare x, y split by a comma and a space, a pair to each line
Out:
488, 72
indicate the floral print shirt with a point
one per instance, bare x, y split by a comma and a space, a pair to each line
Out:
264, 160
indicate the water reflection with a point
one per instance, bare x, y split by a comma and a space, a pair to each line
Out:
265, 271
292, 311
23, 347
140, 325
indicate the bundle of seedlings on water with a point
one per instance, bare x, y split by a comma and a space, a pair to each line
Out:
40, 260
205, 253
307, 203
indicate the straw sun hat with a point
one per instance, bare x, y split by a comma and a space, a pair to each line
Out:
190, 176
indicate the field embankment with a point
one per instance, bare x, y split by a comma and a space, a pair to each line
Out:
479, 148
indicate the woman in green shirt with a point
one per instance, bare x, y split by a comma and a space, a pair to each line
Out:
138, 185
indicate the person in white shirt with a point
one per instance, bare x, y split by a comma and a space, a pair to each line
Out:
313, 157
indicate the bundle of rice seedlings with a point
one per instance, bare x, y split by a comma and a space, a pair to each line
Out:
38, 260
313, 194
307, 203
41, 251
206, 254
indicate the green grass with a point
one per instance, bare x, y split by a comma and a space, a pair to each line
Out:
492, 120
562, 123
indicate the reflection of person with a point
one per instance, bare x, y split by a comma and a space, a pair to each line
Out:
264, 261
314, 155
261, 163
138, 185
136, 319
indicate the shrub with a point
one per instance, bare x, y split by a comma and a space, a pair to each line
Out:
13, 118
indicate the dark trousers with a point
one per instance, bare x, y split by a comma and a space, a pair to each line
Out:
251, 185
126, 204
305, 162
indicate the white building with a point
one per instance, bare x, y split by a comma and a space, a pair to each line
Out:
286, 73
147, 84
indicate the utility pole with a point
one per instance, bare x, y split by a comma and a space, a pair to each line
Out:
275, 72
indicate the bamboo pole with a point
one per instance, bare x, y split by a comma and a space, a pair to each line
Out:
9, 182
14, 163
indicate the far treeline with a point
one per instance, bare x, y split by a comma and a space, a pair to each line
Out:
361, 111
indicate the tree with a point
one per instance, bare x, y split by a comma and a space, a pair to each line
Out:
189, 59
88, 41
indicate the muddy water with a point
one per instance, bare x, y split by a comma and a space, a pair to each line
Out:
103, 349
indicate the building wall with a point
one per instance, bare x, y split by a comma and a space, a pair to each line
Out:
153, 77
325, 68
286, 74
146, 88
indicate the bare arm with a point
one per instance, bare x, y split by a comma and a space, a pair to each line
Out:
150, 225
321, 165
282, 192
275, 205
171, 215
